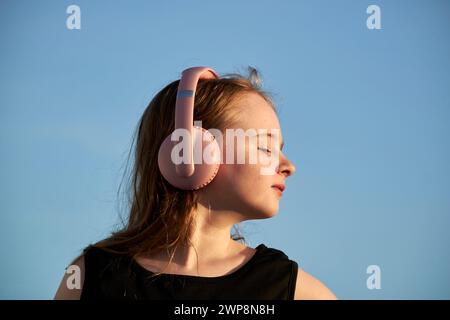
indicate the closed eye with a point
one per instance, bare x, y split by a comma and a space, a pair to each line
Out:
265, 149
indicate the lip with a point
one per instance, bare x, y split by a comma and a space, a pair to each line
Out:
279, 187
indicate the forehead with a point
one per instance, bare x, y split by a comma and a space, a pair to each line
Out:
255, 113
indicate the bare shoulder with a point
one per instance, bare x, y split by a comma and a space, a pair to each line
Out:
310, 288
72, 282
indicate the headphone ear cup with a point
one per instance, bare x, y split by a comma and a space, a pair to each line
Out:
204, 172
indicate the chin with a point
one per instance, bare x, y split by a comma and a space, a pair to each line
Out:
273, 213
267, 212
258, 209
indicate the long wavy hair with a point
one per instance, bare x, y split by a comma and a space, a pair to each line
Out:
160, 216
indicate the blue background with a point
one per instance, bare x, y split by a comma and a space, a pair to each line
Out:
364, 114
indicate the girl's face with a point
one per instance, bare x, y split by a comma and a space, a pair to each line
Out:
248, 188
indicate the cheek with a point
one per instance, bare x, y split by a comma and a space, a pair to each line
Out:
248, 181
242, 188
254, 193
244, 179
241, 180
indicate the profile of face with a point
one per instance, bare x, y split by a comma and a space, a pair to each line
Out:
248, 188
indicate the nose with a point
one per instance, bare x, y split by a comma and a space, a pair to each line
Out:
286, 167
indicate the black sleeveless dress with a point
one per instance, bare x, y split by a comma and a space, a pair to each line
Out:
268, 275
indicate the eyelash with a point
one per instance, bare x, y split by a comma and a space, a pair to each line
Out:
265, 149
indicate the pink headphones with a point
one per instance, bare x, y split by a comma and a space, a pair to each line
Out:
190, 176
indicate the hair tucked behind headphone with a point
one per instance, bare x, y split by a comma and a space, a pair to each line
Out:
160, 216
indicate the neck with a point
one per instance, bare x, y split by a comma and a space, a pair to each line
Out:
210, 242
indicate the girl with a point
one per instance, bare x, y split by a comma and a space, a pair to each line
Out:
176, 243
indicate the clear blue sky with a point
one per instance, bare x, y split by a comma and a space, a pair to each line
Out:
364, 113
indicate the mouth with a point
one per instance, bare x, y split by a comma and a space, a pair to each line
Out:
279, 188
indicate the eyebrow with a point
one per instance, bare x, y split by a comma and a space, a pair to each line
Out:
269, 134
